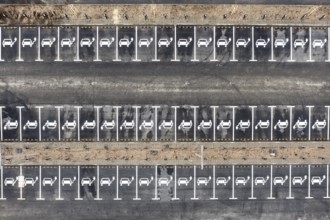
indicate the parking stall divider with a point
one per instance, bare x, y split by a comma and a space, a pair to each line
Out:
40, 197
195, 118
78, 183
252, 42
271, 121
19, 45
20, 183
1, 46
136, 122
328, 60
175, 183
309, 120
97, 45
194, 198
175, 45
175, 122
214, 48
59, 184
38, 59
39, 120
327, 195
20, 121
252, 183
156, 182
117, 184
1, 169
233, 184
58, 45
77, 43
78, 121
98, 183
117, 115
271, 183
290, 183
59, 121
155, 42
1, 122
195, 40
156, 121
291, 49
309, 183
136, 183
213, 197
272, 44
310, 45
97, 122
214, 122
252, 121
234, 58
290, 107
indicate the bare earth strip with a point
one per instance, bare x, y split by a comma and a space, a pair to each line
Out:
152, 14
163, 153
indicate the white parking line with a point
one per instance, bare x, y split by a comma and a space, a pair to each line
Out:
1, 167
78, 120
272, 44
136, 44
40, 197
271, 183
290, 181
155, 59
98, 122
58, 45
328, 127
136, 122
175, 49
77, 51
233, 181
59, 121
290, 125
195, 118
252, 122
39, 120
98, 183
233, 126
214, 48
156, 121
1, 127
19, 45
309, 183
117, 115
39, 59
117, 184
252, 182
175, 121
20, 121
309, 120
291, 55
117, 58
327, 196
156, 182
136, 184
252, 42
310, 46
328, 60
97, 44
213, 197
175, 184
214, 121
20, 188
78, 182
194, 60
1, 45
59, 184
271, 120
195, 198
234, 58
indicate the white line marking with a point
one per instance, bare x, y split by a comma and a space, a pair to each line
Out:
78, 182
309, 120
175, 184
271, 183
1, 167
233, 181
195, 45
136, 184
156, 182
328, 60
19, 45
136, 122
1, 127
195, 117
20, 121
39, 120
59, 184
117, 116
59, 121
271, 120
136, 44
39, 59
20, 188
309, 183
98, 183
252, 122
194, 184
40, 197
234, 59
97, 44
58, 45
175, 49
1, 45
252, 43
310, 45
252, 182
290, 170
175, 122
155, 42
213, 197
214, 121
117, 58
77, 45
328, 127
156, 121
327, 196
117, 184
78, 120
291, 55
272, 44
98, 122
290, 107
214, 48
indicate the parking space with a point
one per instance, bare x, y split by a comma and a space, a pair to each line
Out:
244, 46
319, 124
205, 43
281, 182
127, 182
147, 123
318, 181
146, 43
30, 124
243, 124
165, 43
29, 44
242, 185
185, 123
262, 43
300, 39
10, 182
108, 123
68, 44
204, 124
282, 125
87, 43
88, 124
319, 39
48, 44
50, 123
185, 43
300, 123
127, 43
70, 123
10, 127
49, 182
262, 123
107, 43
166, 123
10, 43
224, 43
127, 124
69, 181
261, 181
225, 124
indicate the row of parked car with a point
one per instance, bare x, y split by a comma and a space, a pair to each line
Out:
106, 42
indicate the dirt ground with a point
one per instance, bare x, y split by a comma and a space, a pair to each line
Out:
153, 14
164, 153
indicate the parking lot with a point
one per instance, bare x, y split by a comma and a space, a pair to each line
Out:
164, 123
164, 43
218, 182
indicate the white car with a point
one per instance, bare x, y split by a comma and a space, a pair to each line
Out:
106, 181
262, 124
243, 125
127, 125
205, 125
30, 181
300, 43
317, 180
48, 41
49, 181
28, 42
106, 42
166, 125
242, 180
145, 42
299, 180
262, 42
184, 181
30, 125
204, 42
223, 42
203, 180
184, 42
88, 125
108, 125
10, 181
145, 181
126, 181
67, 42
222, 180
281, 124
68, 181
300, 124
261, 180
281, 42
185, 125
147, 125
50, 125
319, 124
242, 42
164, 181
87, 181
86, 41
9, 42
125, 42
280, 180
319, 43
69, 125
224, 124
165, 42
10, 125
